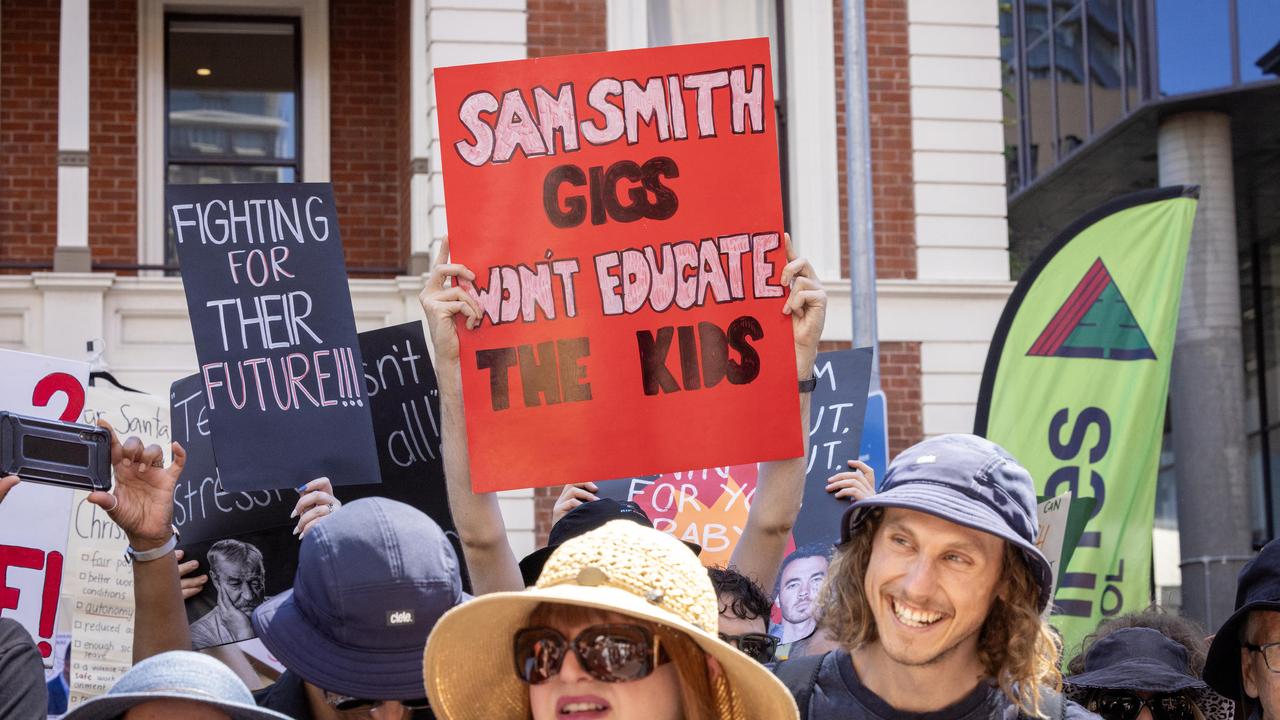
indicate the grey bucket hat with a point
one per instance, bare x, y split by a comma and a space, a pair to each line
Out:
177, 675
969, 481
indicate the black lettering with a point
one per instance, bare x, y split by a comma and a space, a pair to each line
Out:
1088, 416
666, 203
653, 361
572, 373
639, 199
597, 196
689, 358
746, 370
715, 353
575, 206
539, 376
498, 362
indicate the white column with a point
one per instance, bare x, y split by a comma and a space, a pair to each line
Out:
811, 135
419, 142
72, 251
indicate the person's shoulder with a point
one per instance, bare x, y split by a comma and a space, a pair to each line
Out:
286, 695
14, 638
1076, 711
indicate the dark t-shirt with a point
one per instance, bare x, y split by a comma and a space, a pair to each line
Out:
286, 695
23, 695
838, 694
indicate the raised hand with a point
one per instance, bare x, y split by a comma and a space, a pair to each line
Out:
442, 299
571, 497
141, 501
855, 484
191, 586
807, 306
316, 503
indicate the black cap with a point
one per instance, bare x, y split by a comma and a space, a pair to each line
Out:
583, 519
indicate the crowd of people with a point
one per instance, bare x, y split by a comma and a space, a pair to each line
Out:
931, 604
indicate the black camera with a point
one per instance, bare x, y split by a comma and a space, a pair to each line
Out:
55, 453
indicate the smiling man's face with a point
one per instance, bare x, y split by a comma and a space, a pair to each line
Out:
931, 584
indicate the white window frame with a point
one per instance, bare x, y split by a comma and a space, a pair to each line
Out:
314, 16
811, 120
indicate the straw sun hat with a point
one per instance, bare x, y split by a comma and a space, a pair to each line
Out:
623, 568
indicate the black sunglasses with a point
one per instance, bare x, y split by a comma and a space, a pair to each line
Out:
757, 646
1125, 705
609, 653
346, 703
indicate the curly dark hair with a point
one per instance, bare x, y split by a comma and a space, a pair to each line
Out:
1183, 631
746, 600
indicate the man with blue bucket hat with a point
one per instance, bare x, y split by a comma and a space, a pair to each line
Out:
936, 595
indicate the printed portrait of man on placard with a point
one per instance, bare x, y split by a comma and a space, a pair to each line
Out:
238, 576
796, 595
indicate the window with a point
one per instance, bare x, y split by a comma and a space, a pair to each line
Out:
232, 100
680, 22
1259, 27
1194, 44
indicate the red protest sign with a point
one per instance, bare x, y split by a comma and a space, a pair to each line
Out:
622, 213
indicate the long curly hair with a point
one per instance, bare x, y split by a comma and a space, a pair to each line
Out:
1016, 647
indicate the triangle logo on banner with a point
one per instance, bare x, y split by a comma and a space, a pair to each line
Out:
1094, 322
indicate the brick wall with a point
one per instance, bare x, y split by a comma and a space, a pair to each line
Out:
28, 131
889, 89
562, 27
900, 381
367, 162
113, 130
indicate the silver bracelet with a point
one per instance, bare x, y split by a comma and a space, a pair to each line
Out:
153, 553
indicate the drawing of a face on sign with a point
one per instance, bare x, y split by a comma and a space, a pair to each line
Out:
705, 507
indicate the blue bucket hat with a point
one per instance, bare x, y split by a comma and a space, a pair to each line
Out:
177, 675
372, 580
1258, 588
969, 481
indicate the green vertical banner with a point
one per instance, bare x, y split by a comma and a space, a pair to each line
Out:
1076, 382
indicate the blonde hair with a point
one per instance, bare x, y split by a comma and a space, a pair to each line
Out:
1016, 648
703, 695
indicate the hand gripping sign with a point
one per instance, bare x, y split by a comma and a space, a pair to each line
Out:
622, 214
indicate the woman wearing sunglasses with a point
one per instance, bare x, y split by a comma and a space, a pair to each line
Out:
621, 625
1139, 673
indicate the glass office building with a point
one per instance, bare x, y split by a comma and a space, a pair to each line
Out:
1088, 86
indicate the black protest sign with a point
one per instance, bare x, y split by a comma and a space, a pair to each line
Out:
266, 287
202, 507
836, 413
401, 387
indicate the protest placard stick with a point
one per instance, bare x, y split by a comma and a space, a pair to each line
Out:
477, 516
141, 503
780, 484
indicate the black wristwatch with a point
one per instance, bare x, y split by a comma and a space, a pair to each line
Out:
807, 386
